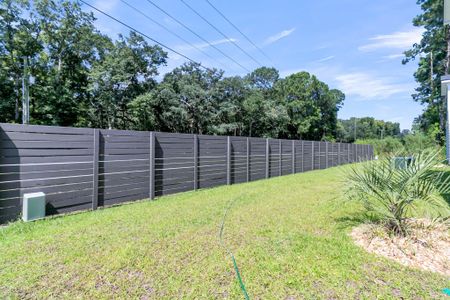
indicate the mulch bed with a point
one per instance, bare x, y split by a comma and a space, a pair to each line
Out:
426, 247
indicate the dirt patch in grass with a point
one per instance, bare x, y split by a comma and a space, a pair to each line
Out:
427, 247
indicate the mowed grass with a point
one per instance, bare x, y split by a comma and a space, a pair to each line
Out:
288, 234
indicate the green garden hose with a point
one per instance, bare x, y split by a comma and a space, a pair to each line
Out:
236, 269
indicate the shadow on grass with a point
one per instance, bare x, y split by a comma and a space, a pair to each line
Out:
356, 218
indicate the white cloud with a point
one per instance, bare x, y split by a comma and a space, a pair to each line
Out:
205, 45
393, 56
366, 86
325, 58
276, 37
397, 40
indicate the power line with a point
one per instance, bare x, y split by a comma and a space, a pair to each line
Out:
143, 34
220, 32
170, 31
235, 27
197, 35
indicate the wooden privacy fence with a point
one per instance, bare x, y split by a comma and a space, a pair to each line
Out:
82, 168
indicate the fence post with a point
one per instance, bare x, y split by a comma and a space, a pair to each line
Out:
293, 157
248, 159
228, 160
195, 162
280, 157
267, 158
326, 155
312, 155
95, 167
151, 191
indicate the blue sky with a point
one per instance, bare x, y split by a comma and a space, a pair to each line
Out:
352, 45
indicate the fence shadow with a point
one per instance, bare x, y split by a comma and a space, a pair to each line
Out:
10, 184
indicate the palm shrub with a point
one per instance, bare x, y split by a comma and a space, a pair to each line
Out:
392, 195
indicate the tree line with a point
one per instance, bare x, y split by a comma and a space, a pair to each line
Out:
84, 78
355, 129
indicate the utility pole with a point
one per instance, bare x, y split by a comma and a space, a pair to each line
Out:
354, 130
25, 93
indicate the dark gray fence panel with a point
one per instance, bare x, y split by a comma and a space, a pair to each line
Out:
286, 157
359, 154
352, 153
362, 154
316, 155
344, 153
77, 171
307, 161
333, 154
174, 162
319, 155
238, 159
298, 153
123, 166
57, 161
330, 155
257, 158
212, 161
274, 157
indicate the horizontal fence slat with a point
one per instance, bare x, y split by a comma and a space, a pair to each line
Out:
45, 129
44, 152
7, 144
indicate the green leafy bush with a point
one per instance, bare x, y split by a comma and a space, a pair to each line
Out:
384, 146
407, 145
417, 142
392, 195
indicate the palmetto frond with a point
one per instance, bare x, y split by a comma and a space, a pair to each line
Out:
393, 193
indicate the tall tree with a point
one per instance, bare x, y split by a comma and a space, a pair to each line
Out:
193, 89
19, 41
126, 72
432, 53
229, 96
311, 106
263, 78
72, 45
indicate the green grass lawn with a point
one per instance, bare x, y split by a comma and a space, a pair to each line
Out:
288, 234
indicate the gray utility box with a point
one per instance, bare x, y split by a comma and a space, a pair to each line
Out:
402, 163
33, 206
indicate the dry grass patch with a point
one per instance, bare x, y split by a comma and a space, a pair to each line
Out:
426, 247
